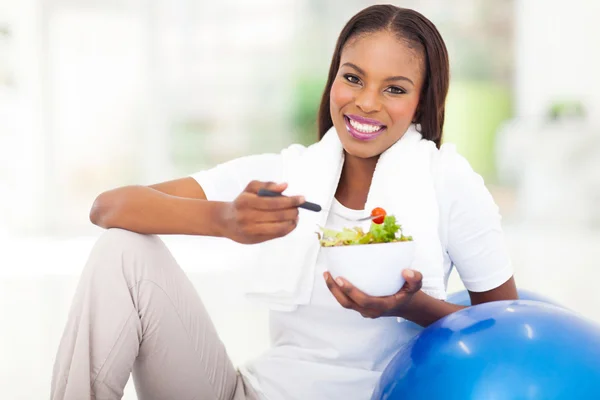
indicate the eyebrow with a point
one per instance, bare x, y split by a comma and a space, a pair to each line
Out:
391, 78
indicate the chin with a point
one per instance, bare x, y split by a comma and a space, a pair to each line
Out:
361, 150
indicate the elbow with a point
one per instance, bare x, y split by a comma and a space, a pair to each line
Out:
95, 215
100, 210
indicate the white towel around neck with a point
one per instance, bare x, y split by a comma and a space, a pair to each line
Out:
402, 184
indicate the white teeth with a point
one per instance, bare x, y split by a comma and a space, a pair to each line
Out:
365, 128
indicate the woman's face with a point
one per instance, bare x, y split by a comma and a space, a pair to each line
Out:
375, 94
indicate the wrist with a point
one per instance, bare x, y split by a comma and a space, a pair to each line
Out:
409, 306
218, 218
211, 218
424, 310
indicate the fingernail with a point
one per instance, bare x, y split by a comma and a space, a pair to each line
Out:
339, 282
410, 273
301, 200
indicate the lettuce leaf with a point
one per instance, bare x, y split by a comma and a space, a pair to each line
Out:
378, 233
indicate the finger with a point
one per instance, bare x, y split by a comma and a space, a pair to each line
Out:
361, 298
291, 214
254, 186
271, 230
336, 291
414, 281
371, 314
277, 203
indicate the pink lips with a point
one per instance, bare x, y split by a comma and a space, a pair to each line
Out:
362, 135
364, 120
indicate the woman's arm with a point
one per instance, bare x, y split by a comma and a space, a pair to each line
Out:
475, 244
173, 207
410, 303
424, 310
475, 241
221, 202
160, 209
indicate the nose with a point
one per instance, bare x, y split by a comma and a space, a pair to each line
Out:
368, 101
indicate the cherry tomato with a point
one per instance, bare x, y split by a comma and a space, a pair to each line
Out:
379, 213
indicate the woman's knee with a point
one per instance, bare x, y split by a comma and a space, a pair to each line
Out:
121, 240
129, 253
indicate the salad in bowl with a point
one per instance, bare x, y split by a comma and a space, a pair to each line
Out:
373, 260
384, 229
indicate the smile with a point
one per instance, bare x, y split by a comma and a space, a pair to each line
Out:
363, 128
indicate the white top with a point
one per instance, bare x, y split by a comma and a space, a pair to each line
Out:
323, 351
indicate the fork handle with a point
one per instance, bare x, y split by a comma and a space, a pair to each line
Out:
307, 205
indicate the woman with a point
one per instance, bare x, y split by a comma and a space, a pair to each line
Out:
135, 309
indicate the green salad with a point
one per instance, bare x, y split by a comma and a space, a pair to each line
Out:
386, 232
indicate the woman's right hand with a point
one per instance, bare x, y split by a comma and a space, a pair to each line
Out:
251, 219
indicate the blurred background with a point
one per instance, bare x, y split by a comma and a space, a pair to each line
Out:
98, 94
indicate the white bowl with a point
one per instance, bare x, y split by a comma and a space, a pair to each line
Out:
375, 269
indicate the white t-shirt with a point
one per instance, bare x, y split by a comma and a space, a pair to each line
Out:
323, 351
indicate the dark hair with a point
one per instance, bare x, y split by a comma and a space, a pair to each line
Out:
419, 33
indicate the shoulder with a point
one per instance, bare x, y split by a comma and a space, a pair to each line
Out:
450, 164
453, 174
463, 198
225, 181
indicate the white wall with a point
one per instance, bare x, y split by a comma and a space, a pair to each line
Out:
557, 54
22, 116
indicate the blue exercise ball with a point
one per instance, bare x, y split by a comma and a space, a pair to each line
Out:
462, 297
502, 350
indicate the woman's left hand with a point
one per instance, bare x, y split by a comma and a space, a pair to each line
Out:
374, 307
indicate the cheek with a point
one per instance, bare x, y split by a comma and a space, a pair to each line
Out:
340, 95
405, 109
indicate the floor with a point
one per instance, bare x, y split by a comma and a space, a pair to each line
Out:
38, 278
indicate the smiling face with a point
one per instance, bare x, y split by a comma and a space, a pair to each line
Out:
375, 93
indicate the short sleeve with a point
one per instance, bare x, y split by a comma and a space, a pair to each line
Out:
226, 181
473, 232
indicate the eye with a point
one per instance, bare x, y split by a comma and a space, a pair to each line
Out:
395, 90
352, 78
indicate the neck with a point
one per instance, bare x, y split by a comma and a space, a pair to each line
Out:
355, 181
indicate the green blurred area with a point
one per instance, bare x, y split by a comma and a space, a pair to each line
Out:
308, 90
474, 112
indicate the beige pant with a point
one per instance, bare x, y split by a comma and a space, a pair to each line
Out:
135, 310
